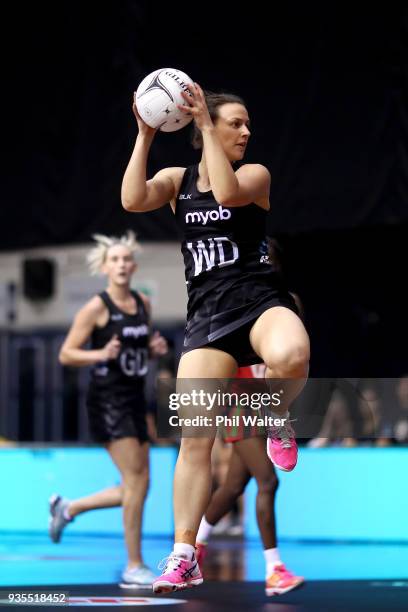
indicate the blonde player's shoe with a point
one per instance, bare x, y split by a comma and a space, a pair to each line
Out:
137, 577
58, 509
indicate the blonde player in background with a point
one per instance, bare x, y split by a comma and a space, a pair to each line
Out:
117, 322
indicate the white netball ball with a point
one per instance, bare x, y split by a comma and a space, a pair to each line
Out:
157, 97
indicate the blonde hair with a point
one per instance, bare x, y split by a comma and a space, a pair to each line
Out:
97, 255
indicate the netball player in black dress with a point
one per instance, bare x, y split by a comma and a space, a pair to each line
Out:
239, 312
117, 322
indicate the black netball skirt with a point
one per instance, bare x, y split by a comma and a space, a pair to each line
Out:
221, 314
115, 416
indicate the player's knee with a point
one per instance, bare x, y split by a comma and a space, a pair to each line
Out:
195, 450
268, 486
135, 479
288, 360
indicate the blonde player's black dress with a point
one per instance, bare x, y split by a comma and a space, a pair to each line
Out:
116, 398
230, 281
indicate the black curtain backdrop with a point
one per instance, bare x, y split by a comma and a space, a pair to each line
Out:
326, 88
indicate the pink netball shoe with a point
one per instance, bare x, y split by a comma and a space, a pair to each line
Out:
281, 446
282, 581
178, 574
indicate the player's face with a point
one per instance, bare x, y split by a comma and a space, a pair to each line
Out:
119, 264
232, 126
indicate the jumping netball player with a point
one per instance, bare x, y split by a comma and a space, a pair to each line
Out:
239, 312
117, 321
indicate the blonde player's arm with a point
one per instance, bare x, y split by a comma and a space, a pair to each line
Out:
72, 353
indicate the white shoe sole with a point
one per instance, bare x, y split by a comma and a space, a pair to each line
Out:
134, 586
168, 587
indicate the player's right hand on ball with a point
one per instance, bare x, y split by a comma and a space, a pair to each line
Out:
112, 349
144, 129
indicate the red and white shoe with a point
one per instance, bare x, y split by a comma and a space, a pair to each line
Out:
200, 553
281, 446
178, 574
282, 581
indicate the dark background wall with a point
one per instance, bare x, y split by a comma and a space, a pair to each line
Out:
326, 88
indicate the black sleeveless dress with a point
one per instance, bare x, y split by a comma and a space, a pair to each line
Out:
116, 399
230, 280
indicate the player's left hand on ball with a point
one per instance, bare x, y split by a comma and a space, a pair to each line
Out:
196, 106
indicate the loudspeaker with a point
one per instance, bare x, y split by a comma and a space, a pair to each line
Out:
38, 278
